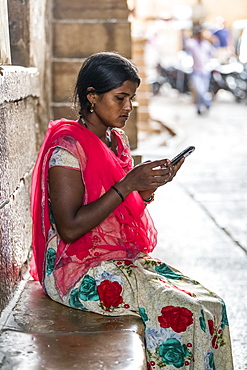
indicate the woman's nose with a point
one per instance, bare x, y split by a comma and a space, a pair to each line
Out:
128, 106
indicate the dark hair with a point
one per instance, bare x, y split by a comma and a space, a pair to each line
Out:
103, 72
197, 30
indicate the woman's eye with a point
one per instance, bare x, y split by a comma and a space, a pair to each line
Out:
119, 98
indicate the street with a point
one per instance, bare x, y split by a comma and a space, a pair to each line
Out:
201, 216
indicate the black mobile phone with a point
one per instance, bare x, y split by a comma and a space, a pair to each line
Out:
184, 154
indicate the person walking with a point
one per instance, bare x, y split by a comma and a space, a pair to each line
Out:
201, 51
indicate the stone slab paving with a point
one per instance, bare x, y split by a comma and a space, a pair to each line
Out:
202, 216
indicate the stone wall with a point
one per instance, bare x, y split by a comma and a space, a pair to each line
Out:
24, 112
18, 121
39, 87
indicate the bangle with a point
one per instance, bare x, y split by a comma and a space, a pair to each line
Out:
117, 191
149, 200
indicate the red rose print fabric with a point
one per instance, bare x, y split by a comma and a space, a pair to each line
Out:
109, 293
177, 318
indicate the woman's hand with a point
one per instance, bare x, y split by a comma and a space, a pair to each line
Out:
148, 176
66, 190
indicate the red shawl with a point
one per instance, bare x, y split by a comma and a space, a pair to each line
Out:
124, 234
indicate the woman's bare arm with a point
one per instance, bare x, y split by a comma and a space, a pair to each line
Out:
66, 193
67, 190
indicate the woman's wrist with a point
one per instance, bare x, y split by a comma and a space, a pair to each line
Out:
149, 200
118, 192
146, 194
123, 187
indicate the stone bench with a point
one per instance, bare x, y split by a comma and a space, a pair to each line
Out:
42, 334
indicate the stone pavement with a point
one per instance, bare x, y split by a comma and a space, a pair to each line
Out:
201, 216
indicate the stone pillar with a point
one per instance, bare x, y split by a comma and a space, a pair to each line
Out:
131, 127
5, 57
29, 28
24, 112
19, 19
80, 28
143, 93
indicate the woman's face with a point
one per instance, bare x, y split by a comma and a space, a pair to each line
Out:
113, 108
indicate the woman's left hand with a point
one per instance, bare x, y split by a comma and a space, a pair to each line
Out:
146, 194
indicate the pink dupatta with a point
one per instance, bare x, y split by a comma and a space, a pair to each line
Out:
129, 229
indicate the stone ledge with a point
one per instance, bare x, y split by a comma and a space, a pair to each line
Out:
90, 21
40, 333
18, 82
95, 350
78, 9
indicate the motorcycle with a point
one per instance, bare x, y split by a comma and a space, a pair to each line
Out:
176, 78
231, 77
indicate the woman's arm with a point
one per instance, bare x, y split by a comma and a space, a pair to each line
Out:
73, 219
66, 189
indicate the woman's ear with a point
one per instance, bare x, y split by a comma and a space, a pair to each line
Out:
91, 95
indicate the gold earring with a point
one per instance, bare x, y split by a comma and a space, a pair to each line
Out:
92, 108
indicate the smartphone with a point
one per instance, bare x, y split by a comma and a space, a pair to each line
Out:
183, 154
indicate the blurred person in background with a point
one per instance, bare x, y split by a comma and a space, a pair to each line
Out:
222, 40
201, 51
242, 46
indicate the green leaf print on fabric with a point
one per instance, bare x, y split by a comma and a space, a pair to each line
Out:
52, 220
224, 320
173, 352
74, 300
88, 289
211, 361
165, 271
143, 314
50, 260
202, 321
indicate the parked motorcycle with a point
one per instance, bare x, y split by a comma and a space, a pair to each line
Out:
231, 77
177, 78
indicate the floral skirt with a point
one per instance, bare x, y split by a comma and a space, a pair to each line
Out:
186, 325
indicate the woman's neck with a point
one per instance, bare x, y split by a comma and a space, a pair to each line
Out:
104, 135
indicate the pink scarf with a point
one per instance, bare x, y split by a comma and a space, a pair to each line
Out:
124, 234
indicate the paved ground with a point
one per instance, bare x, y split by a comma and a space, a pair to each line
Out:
202, 216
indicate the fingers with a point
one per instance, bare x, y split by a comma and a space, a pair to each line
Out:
152, 174
179, 164
158, 163
169, 171
161, 175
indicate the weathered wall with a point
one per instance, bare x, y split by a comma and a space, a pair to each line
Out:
30, 39
18, 118
78, 28
24, 112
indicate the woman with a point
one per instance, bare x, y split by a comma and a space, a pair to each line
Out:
92, 233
